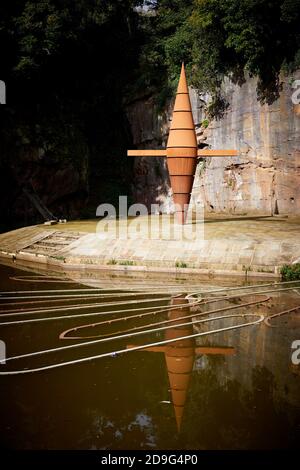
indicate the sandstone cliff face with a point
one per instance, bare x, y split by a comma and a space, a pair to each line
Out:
264, 179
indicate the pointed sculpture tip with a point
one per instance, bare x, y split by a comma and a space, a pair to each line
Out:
182, 84
182, 69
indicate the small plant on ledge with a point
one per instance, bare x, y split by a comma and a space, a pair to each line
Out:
205, 123
180, 264
290, 272
126, 263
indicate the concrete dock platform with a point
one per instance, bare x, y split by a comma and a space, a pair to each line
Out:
244, 246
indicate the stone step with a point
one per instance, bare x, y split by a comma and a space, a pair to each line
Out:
53, 242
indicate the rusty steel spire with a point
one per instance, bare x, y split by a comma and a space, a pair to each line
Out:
182, 150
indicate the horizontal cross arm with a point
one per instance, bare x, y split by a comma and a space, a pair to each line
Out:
200, 153
216, 153
146, 153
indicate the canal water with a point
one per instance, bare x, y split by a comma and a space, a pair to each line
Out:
234, 389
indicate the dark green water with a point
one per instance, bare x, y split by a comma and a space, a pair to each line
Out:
180, 397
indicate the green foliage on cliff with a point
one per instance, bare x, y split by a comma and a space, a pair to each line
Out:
228, 38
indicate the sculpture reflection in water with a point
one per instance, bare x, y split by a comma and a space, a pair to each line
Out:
180, 355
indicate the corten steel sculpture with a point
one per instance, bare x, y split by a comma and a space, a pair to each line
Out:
182, 150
